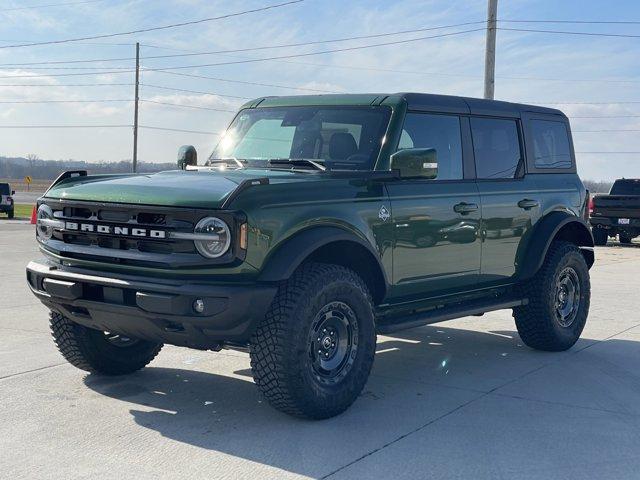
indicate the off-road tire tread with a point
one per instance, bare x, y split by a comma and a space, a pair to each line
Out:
535, 326
273, 338
75, 344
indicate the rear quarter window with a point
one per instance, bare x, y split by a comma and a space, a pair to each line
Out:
551, 147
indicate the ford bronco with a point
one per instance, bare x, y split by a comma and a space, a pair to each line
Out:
317, 223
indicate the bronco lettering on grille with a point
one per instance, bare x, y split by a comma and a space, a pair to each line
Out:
115, 230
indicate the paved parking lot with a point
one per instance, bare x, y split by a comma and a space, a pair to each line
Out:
462, 399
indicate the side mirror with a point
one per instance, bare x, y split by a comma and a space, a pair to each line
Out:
13, 192
187, 156
416, 163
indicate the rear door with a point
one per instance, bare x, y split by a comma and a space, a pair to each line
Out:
510, 200
435, 222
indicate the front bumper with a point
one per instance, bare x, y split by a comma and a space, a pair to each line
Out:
158, 310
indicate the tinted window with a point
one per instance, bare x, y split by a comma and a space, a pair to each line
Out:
550, 144
4, 189
496, 147
626, 187
343, 137
440, 132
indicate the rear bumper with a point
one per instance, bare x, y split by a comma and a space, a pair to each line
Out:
156, 310
612, 223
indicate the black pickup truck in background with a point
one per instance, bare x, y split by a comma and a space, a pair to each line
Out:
617, 213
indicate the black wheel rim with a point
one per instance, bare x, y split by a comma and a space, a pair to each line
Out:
119, 340
333, 342
567, 297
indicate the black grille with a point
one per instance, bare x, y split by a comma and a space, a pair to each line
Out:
125, 248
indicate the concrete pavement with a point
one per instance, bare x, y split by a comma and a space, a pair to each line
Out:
462, 399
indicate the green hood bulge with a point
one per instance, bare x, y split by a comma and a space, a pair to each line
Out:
194, 189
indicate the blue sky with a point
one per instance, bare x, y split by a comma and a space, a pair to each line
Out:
557, 68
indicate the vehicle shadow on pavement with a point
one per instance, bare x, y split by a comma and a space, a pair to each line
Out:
419, 376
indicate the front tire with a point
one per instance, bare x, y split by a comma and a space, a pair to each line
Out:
559, 296
99, 352
600, 236
312, 354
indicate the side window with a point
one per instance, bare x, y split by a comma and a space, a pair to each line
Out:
440, 132
550, 144
496, 147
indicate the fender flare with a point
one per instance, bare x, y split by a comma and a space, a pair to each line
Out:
290, 253
544, 232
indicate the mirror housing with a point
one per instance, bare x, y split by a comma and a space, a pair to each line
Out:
187, 156
416, 163
13, 192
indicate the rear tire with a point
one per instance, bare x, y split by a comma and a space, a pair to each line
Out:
559, 296
625, 240
10, 214
312, 354
600, 236
97, 352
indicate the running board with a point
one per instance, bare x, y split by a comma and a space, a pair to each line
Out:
449, 313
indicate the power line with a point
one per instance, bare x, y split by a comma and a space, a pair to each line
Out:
41, 75
66, 126
187, 106
602, 22
65, 85
604, 116
244, 82
248, 49
65, 101
321, 52
608, 131
346, 49
30, 7
153, 29
178, 130
610, 153
563, 32
195, 91
584, 103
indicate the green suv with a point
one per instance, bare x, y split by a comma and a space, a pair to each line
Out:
317, 223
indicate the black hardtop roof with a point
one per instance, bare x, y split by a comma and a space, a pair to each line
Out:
480, 106
415, 101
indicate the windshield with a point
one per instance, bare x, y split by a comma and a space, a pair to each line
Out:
626, 187
343, 138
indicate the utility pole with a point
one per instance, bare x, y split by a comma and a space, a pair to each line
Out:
135, 112
490, 52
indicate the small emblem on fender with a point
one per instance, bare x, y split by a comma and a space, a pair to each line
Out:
384, 214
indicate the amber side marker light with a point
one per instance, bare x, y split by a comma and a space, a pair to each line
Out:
243, 236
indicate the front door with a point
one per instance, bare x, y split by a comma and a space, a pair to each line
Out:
435, 222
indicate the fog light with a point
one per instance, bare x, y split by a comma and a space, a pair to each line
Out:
198, 305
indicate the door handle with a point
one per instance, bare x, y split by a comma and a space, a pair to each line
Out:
464, 208
528, 204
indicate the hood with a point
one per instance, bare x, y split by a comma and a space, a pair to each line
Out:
191, 188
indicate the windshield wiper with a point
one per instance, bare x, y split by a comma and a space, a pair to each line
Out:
227, 160
300, 161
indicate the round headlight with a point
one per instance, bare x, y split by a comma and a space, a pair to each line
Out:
220, 237
45, 232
